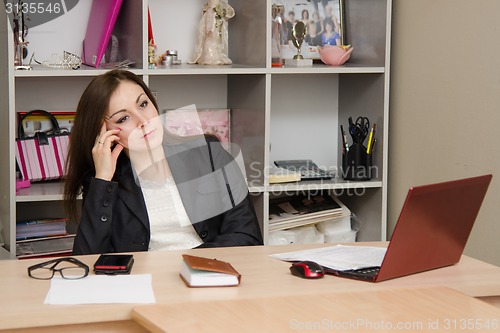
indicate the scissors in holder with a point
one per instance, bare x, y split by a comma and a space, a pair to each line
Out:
359, 129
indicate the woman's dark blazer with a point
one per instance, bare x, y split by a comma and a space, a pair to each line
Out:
212, 188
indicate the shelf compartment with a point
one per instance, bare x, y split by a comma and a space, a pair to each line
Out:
175, 27
304, 118
50, 191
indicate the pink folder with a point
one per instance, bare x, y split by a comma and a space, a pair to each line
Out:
101, 22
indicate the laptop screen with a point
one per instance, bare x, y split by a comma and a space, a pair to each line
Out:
433, 227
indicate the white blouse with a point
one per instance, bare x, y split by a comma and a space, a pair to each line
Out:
169, 223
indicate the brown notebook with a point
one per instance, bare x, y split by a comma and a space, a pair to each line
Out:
205, 272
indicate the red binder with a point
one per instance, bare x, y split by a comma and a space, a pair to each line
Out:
101, 22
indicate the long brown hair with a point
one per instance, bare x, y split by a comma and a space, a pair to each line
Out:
89, 118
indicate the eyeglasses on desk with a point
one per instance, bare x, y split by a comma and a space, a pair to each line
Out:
69, 268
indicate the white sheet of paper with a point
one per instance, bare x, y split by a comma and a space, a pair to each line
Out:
101, 289
338, 257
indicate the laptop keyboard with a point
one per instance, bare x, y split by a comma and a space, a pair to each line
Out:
368, 274
371, 271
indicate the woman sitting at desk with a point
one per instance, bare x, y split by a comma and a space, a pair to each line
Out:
144, 188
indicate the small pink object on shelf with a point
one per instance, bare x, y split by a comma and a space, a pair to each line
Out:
335, 55
22, 183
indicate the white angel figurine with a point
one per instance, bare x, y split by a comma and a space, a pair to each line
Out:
212, 48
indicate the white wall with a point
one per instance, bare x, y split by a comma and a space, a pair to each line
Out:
445, 105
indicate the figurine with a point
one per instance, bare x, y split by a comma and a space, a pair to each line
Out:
212, 48
152, 55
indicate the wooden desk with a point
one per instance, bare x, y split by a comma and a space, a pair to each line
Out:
262, 276
433, 309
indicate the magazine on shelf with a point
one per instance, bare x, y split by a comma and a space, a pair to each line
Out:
41, 228
293, 211
56, 245
307, 220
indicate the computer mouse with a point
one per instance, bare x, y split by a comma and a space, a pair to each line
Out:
307, 270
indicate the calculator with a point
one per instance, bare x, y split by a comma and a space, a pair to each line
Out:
307, 168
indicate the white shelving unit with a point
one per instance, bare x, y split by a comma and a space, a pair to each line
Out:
277, 113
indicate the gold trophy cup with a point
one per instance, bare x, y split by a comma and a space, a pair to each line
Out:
298, 35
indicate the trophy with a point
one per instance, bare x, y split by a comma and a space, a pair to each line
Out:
20, 32
298, 34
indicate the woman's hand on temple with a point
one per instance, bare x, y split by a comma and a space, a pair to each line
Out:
105, 153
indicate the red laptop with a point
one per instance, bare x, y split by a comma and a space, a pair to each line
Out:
432, 229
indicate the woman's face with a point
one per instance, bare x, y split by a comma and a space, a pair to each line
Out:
131, 111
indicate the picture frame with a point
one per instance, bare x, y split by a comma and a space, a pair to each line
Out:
190, 121
324, 20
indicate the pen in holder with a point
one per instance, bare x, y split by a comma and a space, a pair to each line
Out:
357, 159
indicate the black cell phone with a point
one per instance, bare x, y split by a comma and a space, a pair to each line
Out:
112, 264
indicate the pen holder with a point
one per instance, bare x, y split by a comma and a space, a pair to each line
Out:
357, 163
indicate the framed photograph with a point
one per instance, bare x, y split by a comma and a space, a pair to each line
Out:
324, 25
190, 121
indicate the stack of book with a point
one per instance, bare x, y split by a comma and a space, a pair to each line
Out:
300, 210
43, 237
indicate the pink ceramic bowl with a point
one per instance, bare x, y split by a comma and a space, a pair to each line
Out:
334, 55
